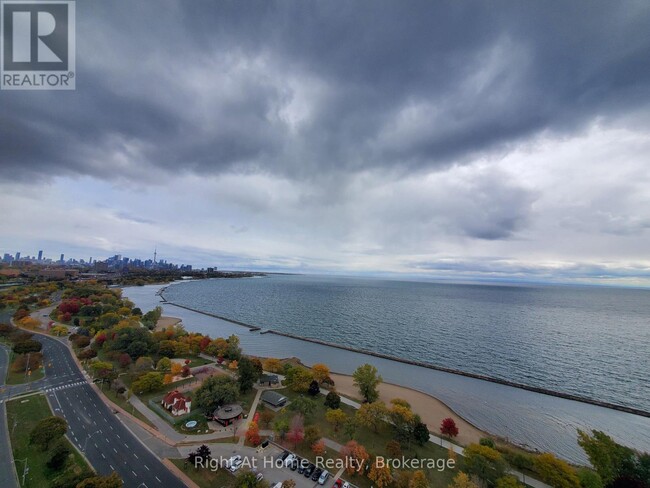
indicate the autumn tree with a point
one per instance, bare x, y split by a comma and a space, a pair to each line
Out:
273, 365
296, 430
394, 448
321, 372
110, 481
355, 457
508, 482
419, 480
484, 462
350, 427
367, 379
312, 434
380, 474
371, 415
336, 418
253, 434
555, 472
266, 416
462, 480
289, 483
448, 427
164, 364
318, 447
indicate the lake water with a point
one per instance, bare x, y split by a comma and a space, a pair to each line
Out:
592, 342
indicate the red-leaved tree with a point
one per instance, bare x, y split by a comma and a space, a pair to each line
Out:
253, 434
297, 430
448, 427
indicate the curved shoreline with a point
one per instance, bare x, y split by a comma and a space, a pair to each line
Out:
535, 389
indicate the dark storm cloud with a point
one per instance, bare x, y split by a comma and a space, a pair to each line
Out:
205, 86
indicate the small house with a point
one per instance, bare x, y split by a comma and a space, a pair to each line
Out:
274, 399
176, 403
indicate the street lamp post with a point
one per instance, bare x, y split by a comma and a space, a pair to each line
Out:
25, 469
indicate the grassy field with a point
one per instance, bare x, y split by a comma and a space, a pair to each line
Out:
19, 378
22, 416
204, 477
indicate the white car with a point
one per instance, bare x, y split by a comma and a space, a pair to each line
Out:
289, 460
323, 477
232, 460
236, 465
346, 484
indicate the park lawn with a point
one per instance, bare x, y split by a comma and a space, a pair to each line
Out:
374, 442
196, 361
120, 401
205, 477
20, 378
24, 413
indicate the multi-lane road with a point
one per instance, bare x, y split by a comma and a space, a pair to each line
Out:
92, 426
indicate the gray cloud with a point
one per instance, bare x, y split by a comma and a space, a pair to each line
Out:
305, 90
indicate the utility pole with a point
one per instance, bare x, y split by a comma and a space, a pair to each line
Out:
25, 469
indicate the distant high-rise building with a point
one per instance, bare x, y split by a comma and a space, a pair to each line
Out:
40, 255
17, 255
62, 256
90, 261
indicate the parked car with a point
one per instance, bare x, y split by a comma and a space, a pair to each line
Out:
232, 460
338, 483
284, 455
316, 475
304, 464
323, 477
289, 460
346, 484
277, 485
294, 464
236, 465
309, 470
259, 477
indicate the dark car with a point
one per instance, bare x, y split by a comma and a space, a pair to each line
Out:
284, 456
309, 470
304, 464
294, 464
316, 475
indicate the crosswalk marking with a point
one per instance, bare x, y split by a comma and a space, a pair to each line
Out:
63, 387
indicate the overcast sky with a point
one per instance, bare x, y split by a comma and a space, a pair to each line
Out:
454, 139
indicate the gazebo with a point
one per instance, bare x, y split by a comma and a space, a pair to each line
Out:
227, 414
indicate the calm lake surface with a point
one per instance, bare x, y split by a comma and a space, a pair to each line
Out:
593, 342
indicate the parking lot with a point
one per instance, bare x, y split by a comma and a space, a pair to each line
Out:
266, 461
274, 469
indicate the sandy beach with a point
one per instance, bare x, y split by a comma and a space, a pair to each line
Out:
165, 322
429, 408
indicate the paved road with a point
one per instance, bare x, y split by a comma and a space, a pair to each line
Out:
7, 473
93, 427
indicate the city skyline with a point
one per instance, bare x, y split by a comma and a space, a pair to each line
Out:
468, 143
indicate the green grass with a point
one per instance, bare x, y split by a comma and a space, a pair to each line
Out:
196, 361
20, 378
205, 477
22, 416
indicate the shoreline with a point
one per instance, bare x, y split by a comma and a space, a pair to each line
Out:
521, 386
431, 410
